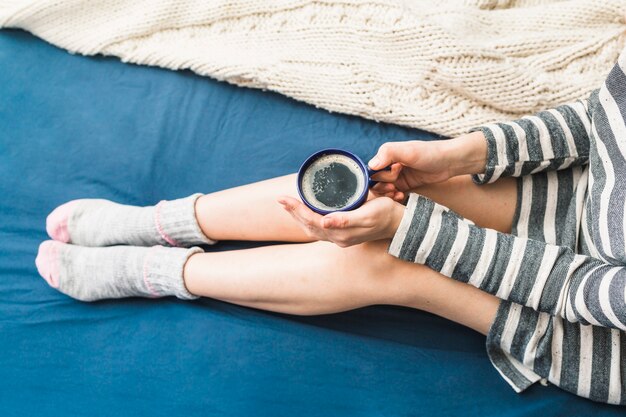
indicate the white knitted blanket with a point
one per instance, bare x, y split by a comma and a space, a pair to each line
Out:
443, 66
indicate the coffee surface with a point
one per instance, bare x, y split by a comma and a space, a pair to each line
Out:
333, 182
334, 185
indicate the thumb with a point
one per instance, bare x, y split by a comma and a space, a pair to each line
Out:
387, 154
335, 221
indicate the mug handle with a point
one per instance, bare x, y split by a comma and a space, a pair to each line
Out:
371, 172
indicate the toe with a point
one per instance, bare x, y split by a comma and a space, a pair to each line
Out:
56, 223
47, 262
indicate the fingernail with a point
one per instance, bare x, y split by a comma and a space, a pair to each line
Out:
374, 162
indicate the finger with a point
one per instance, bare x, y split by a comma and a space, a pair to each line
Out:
393, 194
360, 217
384, 187
300, 212
344, 222
372, 194
335, 222
305, 215
399, 197
389, 176
389, 153
390, 193
288, 203
289, 208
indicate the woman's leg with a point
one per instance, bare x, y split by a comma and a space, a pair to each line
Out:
305, 279
490, 205
321, 278
251, 212
309, 278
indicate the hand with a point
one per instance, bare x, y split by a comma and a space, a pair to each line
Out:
378, 218
416, 163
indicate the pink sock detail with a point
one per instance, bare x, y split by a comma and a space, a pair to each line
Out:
56, 223
157, 222
47, 262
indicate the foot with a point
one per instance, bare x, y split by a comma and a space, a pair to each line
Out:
95, 222
90, 274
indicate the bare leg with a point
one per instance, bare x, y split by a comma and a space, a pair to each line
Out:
490, 205
321, 278
250, 212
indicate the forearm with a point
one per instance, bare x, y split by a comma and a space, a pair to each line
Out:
467, 154
549, 140
555, 138
547, 278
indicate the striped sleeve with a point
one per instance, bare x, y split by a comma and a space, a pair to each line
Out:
607, 167
549, 140
548, 278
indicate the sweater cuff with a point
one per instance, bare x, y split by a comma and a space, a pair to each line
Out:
490, 174
413, 228
427, 235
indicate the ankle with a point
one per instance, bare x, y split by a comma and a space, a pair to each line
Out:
202, 211
177, 222
190, 272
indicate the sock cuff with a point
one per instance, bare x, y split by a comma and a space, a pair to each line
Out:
163, 271
176, 222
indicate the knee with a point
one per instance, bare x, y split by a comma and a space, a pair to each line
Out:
376, 249
369, 267
365, 257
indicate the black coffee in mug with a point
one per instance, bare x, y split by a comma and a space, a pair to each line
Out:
333, 180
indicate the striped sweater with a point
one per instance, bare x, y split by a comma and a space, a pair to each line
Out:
566, 265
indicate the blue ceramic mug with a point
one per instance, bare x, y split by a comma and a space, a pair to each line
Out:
334, 180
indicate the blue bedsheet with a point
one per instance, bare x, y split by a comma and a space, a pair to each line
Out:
74, 127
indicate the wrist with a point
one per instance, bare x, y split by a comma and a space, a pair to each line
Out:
395, 219
466, 154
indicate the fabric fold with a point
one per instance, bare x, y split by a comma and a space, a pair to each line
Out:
443, 67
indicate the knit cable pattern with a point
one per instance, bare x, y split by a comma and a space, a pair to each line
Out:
442, 66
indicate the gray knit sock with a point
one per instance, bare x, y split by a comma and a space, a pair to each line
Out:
90, 274
94, 222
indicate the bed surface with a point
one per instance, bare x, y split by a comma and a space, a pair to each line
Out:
78, 127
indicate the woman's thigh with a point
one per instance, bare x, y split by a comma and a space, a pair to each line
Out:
490, 205
322, 278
